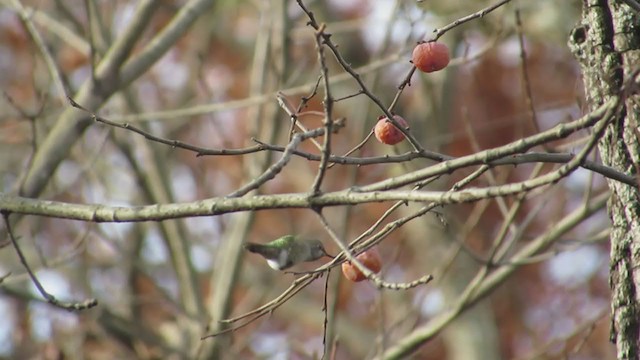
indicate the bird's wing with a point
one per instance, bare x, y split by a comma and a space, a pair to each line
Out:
284, 260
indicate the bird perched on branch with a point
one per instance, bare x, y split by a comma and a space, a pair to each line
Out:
289, 250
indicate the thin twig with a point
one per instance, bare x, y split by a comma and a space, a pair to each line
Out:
428, 330
437, 34
4, 277
31, 117
328, 112
71, 306
478, 14
325, 310
294, 113
606, 111
269, 307
515, 159
44, 50
362, 161
277, 167
526, 82
200, 151
368, 273
345, 65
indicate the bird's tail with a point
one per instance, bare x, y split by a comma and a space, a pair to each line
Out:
268, 252
253, 247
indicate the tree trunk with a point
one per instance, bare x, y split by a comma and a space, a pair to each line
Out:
606, 43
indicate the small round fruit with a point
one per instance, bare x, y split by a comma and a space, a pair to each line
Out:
370, 259
388, 134
431, 56
351, 272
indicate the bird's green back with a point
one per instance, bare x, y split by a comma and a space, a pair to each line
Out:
283, 242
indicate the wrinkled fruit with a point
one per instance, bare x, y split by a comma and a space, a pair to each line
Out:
431, 56
370, 259
388, 134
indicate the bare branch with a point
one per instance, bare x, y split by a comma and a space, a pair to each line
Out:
78, 306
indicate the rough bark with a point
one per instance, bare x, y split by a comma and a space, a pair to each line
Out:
606, 43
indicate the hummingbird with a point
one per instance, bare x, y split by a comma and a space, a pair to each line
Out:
289, 250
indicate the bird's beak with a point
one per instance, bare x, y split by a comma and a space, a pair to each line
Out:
329, 256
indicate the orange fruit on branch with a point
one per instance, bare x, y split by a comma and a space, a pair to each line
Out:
370, 259
388, 134
430, 56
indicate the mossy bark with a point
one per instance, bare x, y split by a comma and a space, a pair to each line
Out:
606, 43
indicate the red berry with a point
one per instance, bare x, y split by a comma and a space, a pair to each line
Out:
370, 259
431, 56
388, 134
